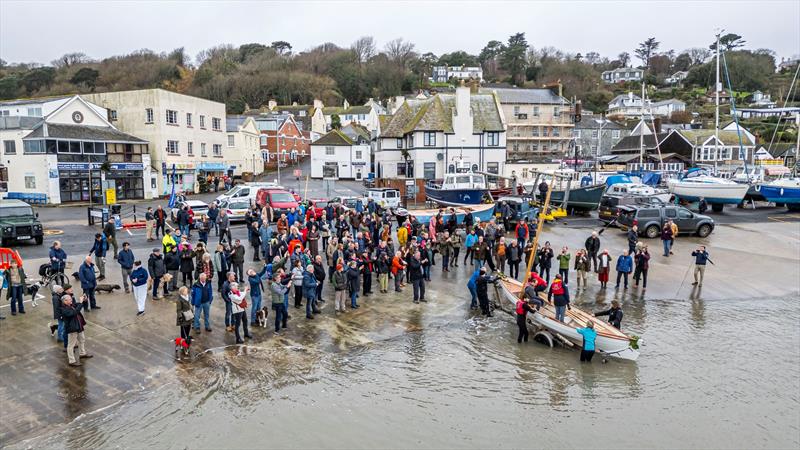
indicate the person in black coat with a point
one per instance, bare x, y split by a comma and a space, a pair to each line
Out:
482, 288
415, 270
187, 264
157, 269
74, 328
319, 274
592, 246
614, 314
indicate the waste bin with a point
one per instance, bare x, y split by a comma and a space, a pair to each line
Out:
116, 210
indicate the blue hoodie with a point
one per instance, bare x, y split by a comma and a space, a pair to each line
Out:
470, 240
255, 282
473, 280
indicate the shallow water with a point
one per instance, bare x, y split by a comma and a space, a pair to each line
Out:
720, 373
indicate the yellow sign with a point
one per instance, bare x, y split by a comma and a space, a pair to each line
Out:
111, 196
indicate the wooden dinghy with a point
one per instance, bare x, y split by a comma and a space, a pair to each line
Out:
610, 341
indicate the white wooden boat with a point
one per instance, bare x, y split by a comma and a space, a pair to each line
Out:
610, 341
697, 184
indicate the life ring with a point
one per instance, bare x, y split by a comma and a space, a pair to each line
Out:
758, 188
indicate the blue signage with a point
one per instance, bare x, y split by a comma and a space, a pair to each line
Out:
127, 166
212, 166
77, 166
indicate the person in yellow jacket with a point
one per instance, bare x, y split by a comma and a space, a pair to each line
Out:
168, 242
402, 236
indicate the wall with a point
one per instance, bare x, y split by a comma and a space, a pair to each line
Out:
345, 157
21, 165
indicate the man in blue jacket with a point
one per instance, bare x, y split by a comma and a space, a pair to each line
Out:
99, 248
138, 278
202, 296
700, 260
58, 257
88, 281
624, 267
473, 288
255, 290
125, 259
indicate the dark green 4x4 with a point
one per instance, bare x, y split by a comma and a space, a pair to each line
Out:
18, 222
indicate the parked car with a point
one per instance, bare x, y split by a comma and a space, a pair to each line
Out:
245, 191
650, 220
318, 205
522, 207
18, 222
348, 202
280, 200
383, 197
609, 204
198, 207
235, 209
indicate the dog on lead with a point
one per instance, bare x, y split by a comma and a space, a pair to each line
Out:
182, 347
261, 316
108, 288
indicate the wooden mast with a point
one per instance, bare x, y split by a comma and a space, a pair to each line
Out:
539, 226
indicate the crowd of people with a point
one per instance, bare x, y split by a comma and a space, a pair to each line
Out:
301, 249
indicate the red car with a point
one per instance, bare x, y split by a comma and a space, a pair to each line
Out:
281, 200
317, 205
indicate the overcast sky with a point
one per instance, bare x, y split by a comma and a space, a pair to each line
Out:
40, 31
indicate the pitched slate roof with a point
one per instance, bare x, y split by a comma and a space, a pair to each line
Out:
697, 137
435, 114
632, 142
353, 110
83, 133
595, 123
334, 137
526, 96
355, 131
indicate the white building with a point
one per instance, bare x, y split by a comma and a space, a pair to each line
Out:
69, 152
426, 138
242, 148
186, 134
632, 106
366, 115
343, 153
676, 77
665, 108
443, 74
622, 75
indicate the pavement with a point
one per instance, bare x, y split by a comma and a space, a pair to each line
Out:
134, 354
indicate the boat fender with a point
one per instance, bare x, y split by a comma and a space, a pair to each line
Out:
758, 188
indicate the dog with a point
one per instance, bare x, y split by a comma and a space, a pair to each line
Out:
261, 316
33, 290
182, 347
107, 288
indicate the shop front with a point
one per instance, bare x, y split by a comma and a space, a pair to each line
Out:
183, 175
127, 179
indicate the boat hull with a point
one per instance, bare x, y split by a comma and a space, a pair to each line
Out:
781, 194
730, 194
484, 212
610, 341
585, 198
455, 197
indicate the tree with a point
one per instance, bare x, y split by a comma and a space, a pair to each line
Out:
660, 64
282, 47
699, 55
592, 58
513, 58
400, 52
624, 58
70, 59
38, 78
458, 58
488, 58
730, 41
9, 87
364, 48
336, 122
85, 76
247, 51
682, 62
681, 117
646, 50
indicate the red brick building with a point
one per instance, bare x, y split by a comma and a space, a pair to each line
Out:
282, 138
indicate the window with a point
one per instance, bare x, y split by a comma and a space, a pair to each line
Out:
188, 119
330, 151
535, 131
556, 132
615, 134
231, 140
576, 133
535, 147
545, 131
190, 148
493, 139
263, 140
217, 150
399, 143
359, 154
203, 122
30, 182
594, 149
172, 117
148, 115
429, 170
594, 134
556, 111
32, 147
405, 169
516, 110
535, 111
172, 147
216, 124
10, 147
203, 149
112, 115
544, 148
515, 147
35, 112
685, 214
430, 139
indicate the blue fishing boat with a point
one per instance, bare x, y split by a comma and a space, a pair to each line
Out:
484, 212
784, 191
457, 189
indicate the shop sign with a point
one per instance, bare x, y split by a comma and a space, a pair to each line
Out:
127, 166
78, 166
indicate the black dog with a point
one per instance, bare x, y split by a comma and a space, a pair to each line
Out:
107, 288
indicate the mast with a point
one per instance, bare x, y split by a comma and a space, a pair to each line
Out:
716, 113
641, 132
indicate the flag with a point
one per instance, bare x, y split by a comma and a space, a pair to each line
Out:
172, 195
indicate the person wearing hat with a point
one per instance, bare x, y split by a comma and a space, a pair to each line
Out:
55, 298
157, 269
614, 314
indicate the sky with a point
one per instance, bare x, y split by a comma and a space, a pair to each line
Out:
41, 31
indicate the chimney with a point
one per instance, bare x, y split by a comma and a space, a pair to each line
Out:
345, 104
272, 104
318, 103
462, 115
294, 103
657, 125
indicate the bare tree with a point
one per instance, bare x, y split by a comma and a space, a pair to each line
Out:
364, 48
400, 51
698, 55
624, 58
70, 59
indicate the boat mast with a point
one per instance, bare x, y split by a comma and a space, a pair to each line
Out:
716, 113
641, 131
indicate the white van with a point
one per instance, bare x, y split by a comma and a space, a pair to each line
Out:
246, 191
384, 197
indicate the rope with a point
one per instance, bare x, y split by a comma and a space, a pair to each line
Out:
735, 117
785, 101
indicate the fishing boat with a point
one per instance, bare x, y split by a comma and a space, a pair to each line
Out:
457, 189
695, 184
639, 189
784, 191
610, 341
484, 212
581, 198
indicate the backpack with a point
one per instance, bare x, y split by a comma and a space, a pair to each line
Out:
501, 250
